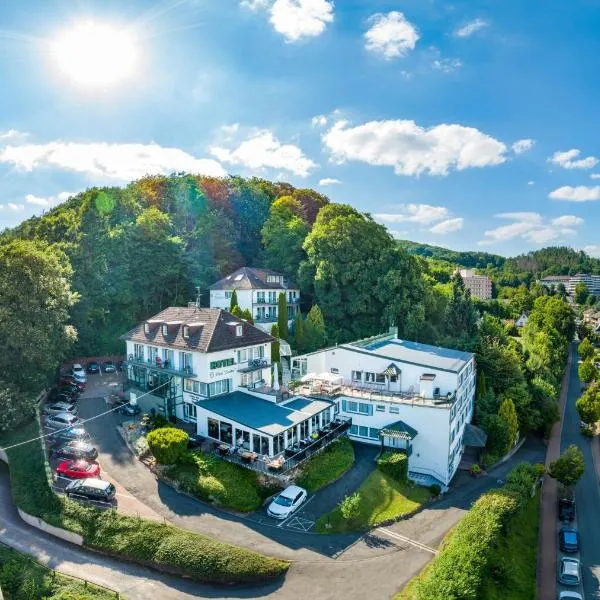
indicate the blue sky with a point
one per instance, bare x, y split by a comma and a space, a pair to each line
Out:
469, 124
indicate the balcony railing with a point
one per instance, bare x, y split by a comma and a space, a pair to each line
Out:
265, 319
291, 457
254, 365
161, 367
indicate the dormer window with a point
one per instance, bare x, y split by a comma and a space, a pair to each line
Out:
165, 330
146, 328
239, 330
186, 332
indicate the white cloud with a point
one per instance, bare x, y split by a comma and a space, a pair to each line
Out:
255, 4
262, 149
448, 226
424, 214
592, 250
568, 221
296, 19
531, 183
447, 65
12, 134
532, 227
580, 193
16, 207
521, 146
48, 200
471, 27
319, 121
329, 181
570, 160
391, 34
122, 162
595, 176
413, 150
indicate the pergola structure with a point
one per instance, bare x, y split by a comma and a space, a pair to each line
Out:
398, 432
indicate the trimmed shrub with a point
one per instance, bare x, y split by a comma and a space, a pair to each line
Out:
458, 570
394, 465
350, 507
167, 444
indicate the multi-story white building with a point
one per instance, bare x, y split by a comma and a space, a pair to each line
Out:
205, 367
399, 394
553, 281
258, 291
480, 286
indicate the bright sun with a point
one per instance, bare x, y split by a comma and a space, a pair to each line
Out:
95, 55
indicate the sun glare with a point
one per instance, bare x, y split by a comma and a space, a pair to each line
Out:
95, 55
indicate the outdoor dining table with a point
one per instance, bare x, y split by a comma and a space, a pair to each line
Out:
247, 456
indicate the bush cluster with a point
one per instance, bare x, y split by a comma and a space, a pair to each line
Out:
135, 539
458, 571
394, 465
167, 444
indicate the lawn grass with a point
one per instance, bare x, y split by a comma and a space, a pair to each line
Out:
213, 479
382, 498
23, 579
512, 568
328, 466
140, 540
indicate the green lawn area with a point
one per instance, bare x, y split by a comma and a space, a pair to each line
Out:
23, 579
512, 569
182, 552
382, 498
328, 466
215, 480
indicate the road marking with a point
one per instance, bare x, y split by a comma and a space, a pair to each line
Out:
295, 513
403, 538
300, 524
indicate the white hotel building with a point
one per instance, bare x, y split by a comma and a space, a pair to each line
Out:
400, 394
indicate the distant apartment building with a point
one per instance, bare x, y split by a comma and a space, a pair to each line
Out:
592, 282
553, 281
480, 286
258, 291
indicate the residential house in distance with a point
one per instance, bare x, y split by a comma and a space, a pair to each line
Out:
213, 371
399, 394
522, 320
480, 286
258, 291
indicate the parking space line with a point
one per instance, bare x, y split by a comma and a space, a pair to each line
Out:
403, 538
294, 514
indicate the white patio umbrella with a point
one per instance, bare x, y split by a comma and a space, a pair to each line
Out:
276, 376
308, 377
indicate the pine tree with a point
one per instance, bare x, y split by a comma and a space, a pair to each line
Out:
233, 302
299, 340
236, 311
275, 344
282, 317
314, 329
508, 412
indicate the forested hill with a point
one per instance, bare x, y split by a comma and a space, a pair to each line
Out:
554, 260
137, 249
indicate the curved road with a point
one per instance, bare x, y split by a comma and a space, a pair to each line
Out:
375, 565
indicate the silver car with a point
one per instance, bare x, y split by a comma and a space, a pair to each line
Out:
55, 408
61, 420
79, 373
569, 572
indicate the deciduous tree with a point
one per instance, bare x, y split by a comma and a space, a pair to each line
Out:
568, 467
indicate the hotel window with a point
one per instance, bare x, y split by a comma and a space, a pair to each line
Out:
356, 375
186, 332
213, 428
363, 431
326, 416
167, 357
380, 407
226, 432
335, 370
242, 355
218, 387
228, 295
138, 351
189, 411
380, 378
353, 429
278, 443
369, 377
365, 409
304, 429
239, 331
146, 328
165, 330
394, 410
373, 433
351, 406
185, 361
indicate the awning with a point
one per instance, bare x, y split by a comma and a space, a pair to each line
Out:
474, 436
399, 430
392, 370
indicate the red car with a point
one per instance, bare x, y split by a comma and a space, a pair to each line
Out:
78, 469
70, 380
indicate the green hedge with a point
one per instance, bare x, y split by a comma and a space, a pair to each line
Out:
328, 466
458, 572
190, 554
167, 444
23, 579
394, 465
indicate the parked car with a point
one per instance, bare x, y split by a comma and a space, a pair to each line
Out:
69, 379
91, 489
109, 367
78, 469
68, 435
76, 449
569, 572
125, 408
93, 367
69, 389
61, 420
56, 396
568, 595
568, 539
60, 407
288, 501
566, 509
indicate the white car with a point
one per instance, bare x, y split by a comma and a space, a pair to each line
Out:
55, 408
61, 420
288, 501
570, 596
79, 373
569, 572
